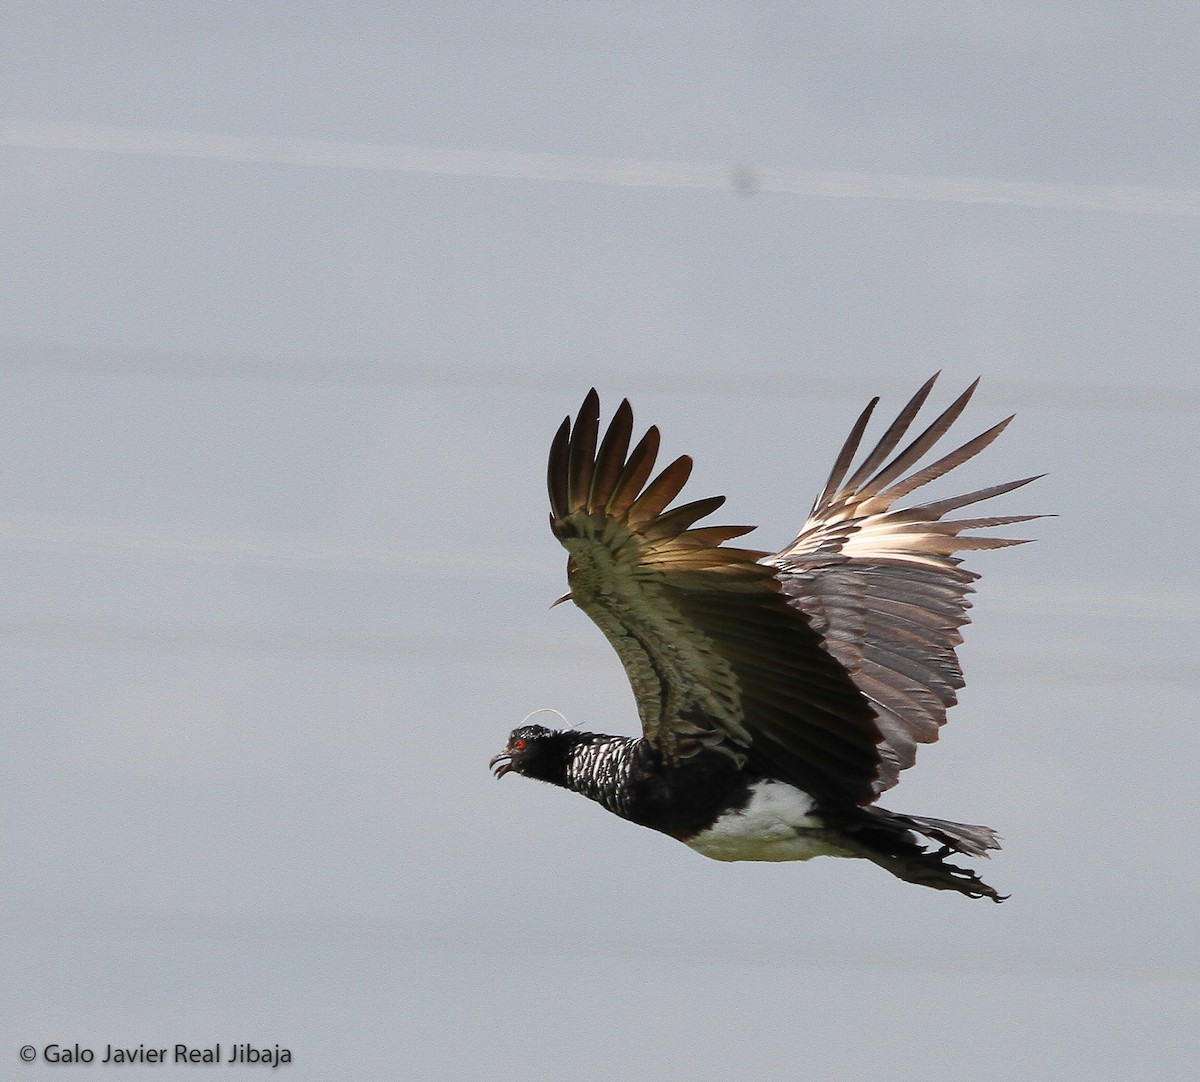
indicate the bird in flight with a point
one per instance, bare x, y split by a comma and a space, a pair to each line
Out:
780, 694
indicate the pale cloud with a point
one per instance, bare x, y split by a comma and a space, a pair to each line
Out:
614, 172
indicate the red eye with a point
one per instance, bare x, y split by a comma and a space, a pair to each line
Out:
519, 745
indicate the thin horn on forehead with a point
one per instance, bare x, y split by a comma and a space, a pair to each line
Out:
547, 710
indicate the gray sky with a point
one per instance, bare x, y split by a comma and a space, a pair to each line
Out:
292, 304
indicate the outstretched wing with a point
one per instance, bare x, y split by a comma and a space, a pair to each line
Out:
883, 586
718, 655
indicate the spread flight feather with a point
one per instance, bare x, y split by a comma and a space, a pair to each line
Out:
826, 662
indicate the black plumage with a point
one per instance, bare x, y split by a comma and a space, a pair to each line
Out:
779, 693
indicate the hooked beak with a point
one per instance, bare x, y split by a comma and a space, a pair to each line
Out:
501, 764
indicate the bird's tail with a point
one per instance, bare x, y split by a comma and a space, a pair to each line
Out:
897, 842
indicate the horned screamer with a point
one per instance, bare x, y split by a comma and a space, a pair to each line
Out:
780, 694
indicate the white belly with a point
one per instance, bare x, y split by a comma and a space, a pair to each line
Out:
777, 824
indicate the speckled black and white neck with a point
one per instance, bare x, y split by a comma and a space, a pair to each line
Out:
599, 768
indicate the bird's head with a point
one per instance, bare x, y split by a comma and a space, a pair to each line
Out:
532, 750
